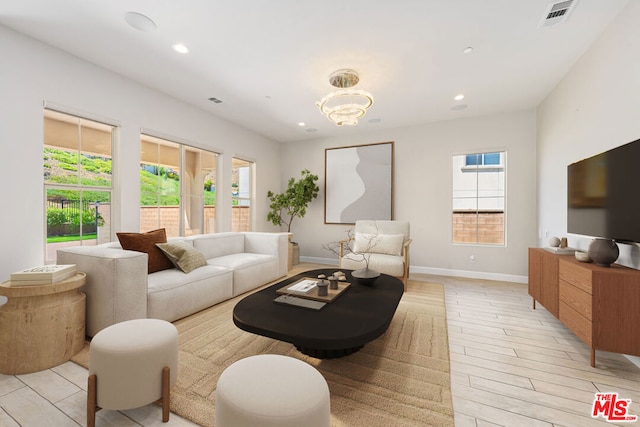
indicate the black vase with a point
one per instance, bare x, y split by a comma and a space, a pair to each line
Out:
603, 252
365, 276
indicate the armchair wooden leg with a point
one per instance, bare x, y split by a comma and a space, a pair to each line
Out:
92, 400
166, 388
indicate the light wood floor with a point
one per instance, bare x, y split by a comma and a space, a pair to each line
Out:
515, 366
510, 366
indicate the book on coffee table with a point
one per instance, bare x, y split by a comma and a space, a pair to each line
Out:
305, 285
312, 292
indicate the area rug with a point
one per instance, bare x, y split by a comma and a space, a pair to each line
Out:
400, 379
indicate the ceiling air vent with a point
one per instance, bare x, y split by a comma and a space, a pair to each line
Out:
215, 100
557, 13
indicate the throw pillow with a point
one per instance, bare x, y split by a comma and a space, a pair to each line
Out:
183, 255
389, 244
146, 242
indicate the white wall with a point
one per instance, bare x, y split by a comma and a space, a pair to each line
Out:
32, 73
423, 193
594, 108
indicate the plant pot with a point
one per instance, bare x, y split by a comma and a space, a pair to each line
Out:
603, 252
365, 276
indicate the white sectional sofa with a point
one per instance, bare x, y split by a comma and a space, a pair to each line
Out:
119, 287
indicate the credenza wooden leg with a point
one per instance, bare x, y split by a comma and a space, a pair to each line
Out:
593, 357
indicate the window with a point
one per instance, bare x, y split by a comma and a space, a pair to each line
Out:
241, 178
177, 187
77, 160
482, 159
479, 198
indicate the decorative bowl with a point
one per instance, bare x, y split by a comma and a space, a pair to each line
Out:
583, 256
365, 276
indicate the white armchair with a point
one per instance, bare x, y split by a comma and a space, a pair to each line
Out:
385, 243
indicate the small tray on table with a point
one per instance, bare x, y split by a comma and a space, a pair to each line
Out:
313, 292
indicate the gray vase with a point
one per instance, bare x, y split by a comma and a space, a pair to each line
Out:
365, 276
603, 252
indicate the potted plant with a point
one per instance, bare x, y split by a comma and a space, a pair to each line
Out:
294, 201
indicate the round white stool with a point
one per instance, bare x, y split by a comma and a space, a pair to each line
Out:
270, 390
132, 364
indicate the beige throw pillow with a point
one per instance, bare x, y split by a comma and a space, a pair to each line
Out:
390, 244
183, 255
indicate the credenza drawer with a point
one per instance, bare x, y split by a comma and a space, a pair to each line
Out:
576, 298
576, 275
579, 325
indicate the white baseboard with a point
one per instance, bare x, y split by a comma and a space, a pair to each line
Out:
316, 260
439, 271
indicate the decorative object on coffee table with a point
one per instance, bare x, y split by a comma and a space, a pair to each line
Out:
310, 288
603, 252
382, 246
365, 276
360, 246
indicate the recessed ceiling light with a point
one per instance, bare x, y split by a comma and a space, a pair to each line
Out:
301, 124
139, 21
459, 97
467, 49
180, 48
459, 107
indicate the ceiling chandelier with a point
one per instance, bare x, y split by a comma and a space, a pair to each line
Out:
345, 106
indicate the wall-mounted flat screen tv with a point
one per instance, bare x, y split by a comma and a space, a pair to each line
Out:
603, 199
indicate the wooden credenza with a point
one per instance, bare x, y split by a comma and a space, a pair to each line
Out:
601, 305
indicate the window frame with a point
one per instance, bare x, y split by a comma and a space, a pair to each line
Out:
62, 115
235, 200
501, 197
182, 147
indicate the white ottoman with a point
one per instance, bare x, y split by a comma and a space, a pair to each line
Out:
272, 390
132, 364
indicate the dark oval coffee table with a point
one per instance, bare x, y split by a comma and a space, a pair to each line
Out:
359, 315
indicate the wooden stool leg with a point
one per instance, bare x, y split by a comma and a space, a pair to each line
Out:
92, 400
166, 377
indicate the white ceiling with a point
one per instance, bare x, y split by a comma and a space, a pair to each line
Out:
269, 60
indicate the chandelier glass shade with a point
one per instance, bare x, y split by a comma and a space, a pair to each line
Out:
345, 106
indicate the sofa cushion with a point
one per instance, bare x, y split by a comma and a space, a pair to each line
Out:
146, 242
249, 270
389, 244
218, 244
173, 294
183, 255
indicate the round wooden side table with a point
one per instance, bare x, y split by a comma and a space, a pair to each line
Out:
41, 326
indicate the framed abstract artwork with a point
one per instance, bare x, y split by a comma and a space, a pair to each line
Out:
358, 183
